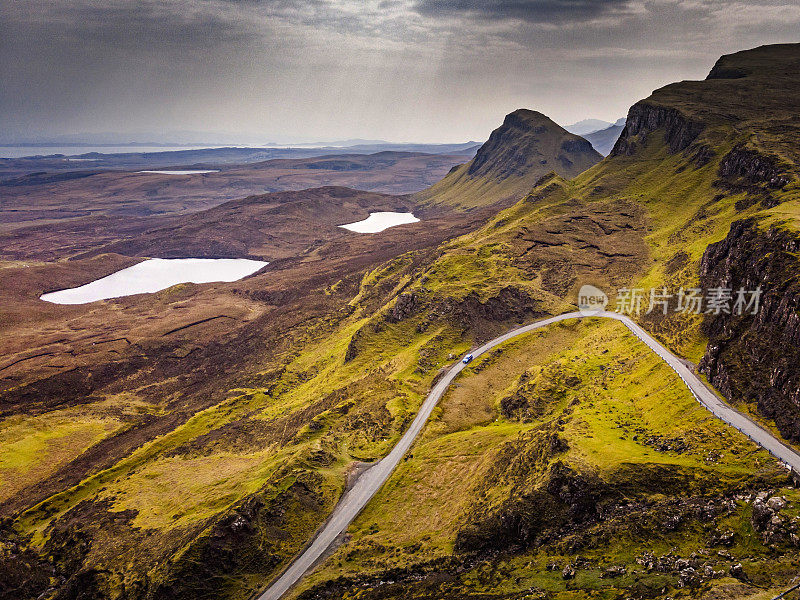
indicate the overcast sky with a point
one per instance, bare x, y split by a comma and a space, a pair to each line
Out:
401, 70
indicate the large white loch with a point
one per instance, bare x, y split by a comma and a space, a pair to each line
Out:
157, 274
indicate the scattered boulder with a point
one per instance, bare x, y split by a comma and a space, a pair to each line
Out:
689, 577
723, 538
406, 305
737, 571
614, 571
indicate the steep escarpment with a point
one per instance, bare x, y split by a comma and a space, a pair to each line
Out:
737, 130
526, 146
679, 130
749, 98
755, 358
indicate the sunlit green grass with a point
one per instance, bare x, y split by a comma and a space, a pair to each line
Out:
33, 448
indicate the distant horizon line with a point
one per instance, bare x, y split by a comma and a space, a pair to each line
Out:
332, 144
347, 142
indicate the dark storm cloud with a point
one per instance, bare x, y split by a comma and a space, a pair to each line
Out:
149, 25
532, 11
131, 24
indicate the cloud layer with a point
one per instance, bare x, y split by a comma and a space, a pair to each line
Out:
426, 70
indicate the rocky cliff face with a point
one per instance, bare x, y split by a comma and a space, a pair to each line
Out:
644, 118
755, 173
752, 167
756, 358
746, 93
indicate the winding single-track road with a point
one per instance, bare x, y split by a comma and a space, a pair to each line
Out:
355, 499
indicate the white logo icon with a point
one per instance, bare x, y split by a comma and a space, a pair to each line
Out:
591, 300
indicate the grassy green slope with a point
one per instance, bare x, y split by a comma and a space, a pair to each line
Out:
597, 402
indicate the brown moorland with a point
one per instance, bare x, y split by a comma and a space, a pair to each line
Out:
55, 217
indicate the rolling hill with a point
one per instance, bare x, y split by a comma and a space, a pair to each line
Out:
268, 226
55, 216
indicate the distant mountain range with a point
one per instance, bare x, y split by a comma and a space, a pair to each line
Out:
208, 157
601, 134
587, 126
603, 140
167, 138
118, 140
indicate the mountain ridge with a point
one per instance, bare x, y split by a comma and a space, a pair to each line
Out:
603, 140
586, 126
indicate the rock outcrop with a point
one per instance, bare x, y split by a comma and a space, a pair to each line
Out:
644, 118
752, 168
756, 358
